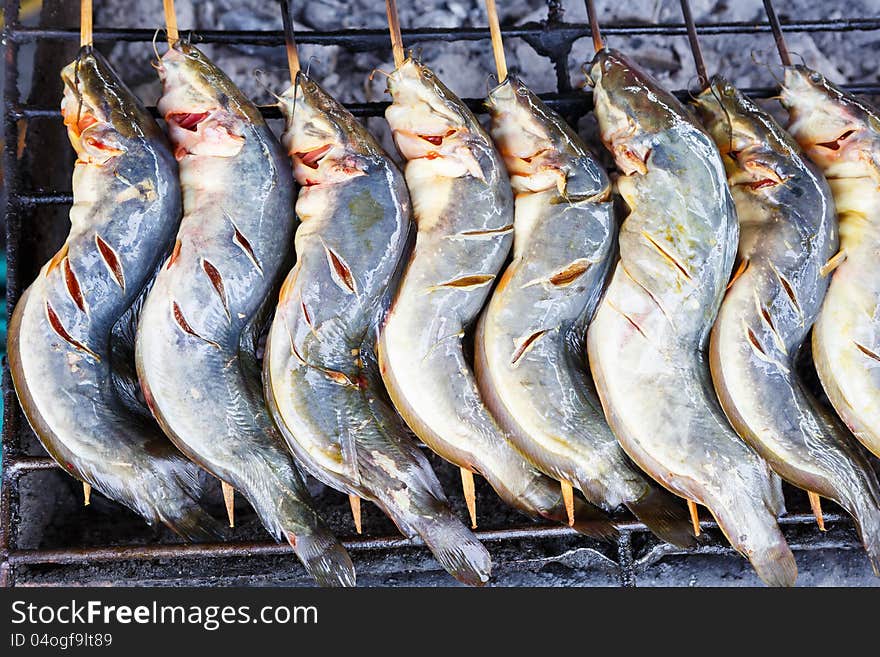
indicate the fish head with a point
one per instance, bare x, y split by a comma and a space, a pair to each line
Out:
522, 131
631, 108
429, 122
98, 113
325, 142
756, 153
201, 105
833, 128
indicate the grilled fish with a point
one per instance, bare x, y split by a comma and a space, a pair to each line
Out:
788, 231
529, 349
199, 329
463, 208
72, 326
648, 340
320, 374
841, 134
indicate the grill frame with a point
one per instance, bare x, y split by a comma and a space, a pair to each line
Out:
552, 39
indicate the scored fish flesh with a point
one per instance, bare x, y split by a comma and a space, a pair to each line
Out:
529, 349
198, 335
647, 343
463, 208
321, 378
70, 338
841, 134
788, 231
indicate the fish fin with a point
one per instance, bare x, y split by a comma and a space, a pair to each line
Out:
665, 515
324, 557
194, 524
750, 526
867, 516
589, 520
454, 545
775, 564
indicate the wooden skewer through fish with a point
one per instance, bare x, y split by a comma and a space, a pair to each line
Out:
85, 24
229, 501
394, 28
355, 503
497, 44
470, 495
785, 57
87, 494
290, 41
695, 516
568, 498
170, 21
467, 477
294, 66
598, 44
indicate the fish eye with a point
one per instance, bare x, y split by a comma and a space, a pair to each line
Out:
429, 74
728, 91
815, 77
521, 90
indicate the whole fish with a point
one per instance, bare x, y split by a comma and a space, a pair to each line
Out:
788, 231
841, 134
69, 335
530, 356
198, 335
321, 379
463, 208
647, 343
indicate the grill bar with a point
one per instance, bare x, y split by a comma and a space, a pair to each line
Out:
377, 40
553, 39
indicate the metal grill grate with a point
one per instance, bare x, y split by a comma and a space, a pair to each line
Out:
164, 562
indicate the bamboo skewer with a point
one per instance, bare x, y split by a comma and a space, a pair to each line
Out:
85, 23
497, 43
702, 76
355, 503
229, 501
695, 516
394, 28
290, 41
785, 57
816, 506
87, 488
294, 66
598, 44
470, 496
776, 28
170, 21
568, 498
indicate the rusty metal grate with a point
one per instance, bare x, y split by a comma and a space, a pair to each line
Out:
153, 558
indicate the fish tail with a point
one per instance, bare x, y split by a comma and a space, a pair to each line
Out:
281, 500
751, 527
324, 557
866, 512
454, 545
171, 495
665, 515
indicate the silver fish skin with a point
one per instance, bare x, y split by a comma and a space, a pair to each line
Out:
529, 349
321, 378
788, 231
198, 333
841, 134
463, 208
72, 322
647, 343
